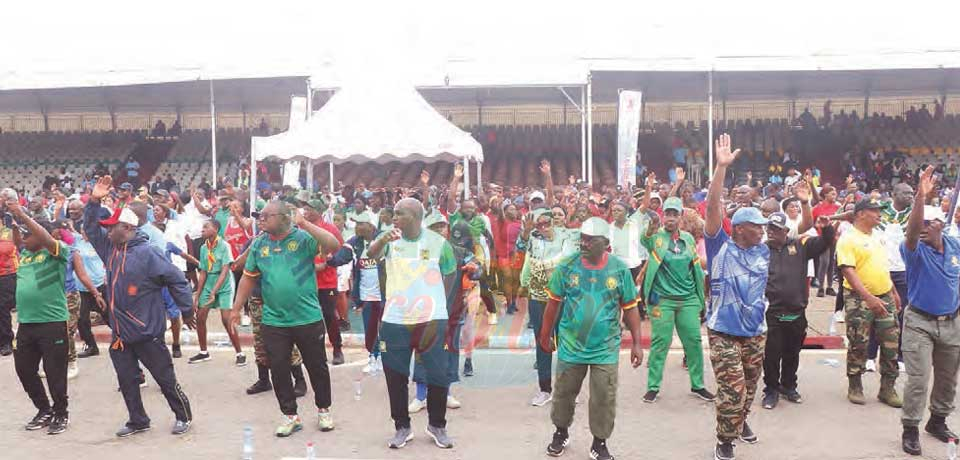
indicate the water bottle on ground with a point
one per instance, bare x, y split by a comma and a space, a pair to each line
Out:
358, 389
829, 362
311, 455
833, 326
952, 449
247, 452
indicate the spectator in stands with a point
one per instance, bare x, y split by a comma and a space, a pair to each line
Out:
169, 184
807, 120
160, 129
176, 130
124, 194
133, 170
153, 186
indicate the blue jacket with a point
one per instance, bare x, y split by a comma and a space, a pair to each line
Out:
136, 272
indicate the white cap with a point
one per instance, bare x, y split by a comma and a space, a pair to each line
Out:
537, 194
595, 226
934, 213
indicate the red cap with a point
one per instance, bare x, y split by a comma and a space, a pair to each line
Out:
112, 220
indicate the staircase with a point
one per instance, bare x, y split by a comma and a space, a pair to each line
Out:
150, 153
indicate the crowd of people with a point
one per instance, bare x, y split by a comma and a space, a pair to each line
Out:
428, 267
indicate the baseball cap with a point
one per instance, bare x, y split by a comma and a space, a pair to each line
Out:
867, 203
748, 215
536, 194
366, 217
934, 213
303, 196
673, 203
595, 226
126, 186
539, 212
315, 203
124, 215
163, 193
779, 220
434, 217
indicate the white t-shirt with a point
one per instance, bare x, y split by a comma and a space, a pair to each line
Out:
175, 233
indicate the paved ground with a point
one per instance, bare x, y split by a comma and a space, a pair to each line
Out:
495, 422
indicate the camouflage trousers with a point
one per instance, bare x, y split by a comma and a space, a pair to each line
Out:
73, 309
737, 365
860, 320
255, 305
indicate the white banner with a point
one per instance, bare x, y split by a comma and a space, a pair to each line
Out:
291, 174
628, 131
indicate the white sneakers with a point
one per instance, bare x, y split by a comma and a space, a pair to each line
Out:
452, 403
416, 406
373, 366
72, 370
541, 399
839, 317
871, 366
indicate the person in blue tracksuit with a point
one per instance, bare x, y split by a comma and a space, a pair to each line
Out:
136, 274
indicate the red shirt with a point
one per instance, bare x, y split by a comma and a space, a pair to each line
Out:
327, 278
9, 258
702, 210
824, 209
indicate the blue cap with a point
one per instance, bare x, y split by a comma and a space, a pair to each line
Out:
748, 215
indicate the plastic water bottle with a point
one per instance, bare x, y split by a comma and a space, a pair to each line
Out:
829, 362
833, 326
358, 389
247, 452
311, 455
951, 449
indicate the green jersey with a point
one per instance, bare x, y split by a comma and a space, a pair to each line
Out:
591, 300
674, 280
215, 261
287, 277
41, 295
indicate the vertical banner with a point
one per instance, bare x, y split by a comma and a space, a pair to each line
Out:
628, 132
291, 174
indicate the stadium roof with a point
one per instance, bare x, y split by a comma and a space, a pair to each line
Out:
515, 51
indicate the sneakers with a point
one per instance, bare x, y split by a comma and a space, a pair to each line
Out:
831, 292
88, 352
747, 435
299, 387
180, 427
439, 436
724, 451
468, 367
73, 370
559, 443
58, 424
492, 319
241, 360
289, 425
770, 398
400, 438
651, 396
175, 351
325, 420
41, 420
599, 451
839, 317
792, 395
871, 366
337, 357
6, 350
128, 430
199, 358
937, 427
541, 399
344, 325
371, 366
820, 292
452, 403
704, 394
416, 406
261, 386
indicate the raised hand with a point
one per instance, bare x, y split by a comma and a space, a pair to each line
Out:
424, 177
927, 181
13, 206
802, 191
102, 187
681, 174
545, 167
458, 171
651, 179
723, 151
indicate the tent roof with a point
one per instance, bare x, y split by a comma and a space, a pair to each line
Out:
375, 122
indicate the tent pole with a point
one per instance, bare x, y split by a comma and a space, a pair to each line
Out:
310, 175
710, 125
213, 138
466, 178
309, 100
331, 177
253, 188
583, 133
479, 181
590, 129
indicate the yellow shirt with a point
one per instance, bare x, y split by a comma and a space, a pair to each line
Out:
867, 254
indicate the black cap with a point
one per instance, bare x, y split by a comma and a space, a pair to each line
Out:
778, 219
867, 203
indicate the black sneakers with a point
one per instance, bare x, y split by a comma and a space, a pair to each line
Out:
747, 435
6, 350
41, 420
468, 367
792, 395
241, 360
770, 398
704, 394
598, 451
128, 430
261, 386
58, 424
937, 427
199, 358
88, 352
337, 357
175, 351
651, 396
559, 443
724, 451
180, 427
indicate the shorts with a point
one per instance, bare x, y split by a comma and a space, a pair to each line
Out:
222, 299
173, 311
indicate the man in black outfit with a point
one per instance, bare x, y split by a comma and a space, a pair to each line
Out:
788, 293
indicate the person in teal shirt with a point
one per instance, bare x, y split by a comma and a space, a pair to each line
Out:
674, 291
590, 292
216, 281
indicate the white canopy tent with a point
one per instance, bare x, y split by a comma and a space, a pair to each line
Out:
377, 122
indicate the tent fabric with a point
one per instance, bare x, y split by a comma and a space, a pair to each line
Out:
377, 122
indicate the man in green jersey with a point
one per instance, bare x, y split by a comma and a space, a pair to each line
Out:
42, 314
589, 291
282, 258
